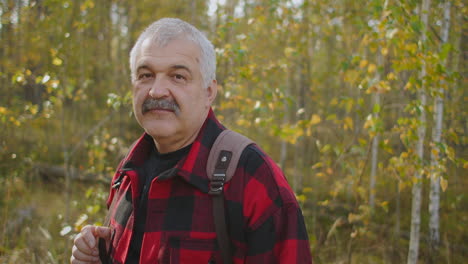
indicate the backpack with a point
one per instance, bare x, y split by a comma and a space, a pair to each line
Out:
221, 166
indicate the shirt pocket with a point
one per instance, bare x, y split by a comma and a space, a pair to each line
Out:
189, 251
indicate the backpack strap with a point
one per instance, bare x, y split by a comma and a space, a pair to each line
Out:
221, 166
223, 158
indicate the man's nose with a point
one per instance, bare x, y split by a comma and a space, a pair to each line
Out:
160, 88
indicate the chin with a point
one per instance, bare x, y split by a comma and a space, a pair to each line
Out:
160, 131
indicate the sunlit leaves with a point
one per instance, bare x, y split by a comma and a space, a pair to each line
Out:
443, 184
315, 119
299, 78
57, 61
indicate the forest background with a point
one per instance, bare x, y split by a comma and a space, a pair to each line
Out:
362, 103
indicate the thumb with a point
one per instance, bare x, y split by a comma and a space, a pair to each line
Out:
103, 232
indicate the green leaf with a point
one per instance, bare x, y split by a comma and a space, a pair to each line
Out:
376, 108
444, 51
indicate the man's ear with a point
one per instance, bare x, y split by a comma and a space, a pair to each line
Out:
212, 91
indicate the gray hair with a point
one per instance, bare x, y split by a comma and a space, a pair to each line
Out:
167, 29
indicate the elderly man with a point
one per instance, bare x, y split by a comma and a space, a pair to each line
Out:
159, 207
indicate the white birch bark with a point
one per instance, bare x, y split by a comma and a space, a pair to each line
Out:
375, 140
434, 195
417, 186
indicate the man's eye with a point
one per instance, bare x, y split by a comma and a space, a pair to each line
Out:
179, 78
144, 76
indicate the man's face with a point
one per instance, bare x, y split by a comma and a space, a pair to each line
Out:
169, 98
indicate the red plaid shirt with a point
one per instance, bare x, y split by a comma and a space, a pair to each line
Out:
265, 223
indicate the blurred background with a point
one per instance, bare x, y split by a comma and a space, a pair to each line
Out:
362, 103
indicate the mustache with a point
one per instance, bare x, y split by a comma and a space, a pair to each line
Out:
150, 104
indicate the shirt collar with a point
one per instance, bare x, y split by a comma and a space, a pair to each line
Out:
192, 168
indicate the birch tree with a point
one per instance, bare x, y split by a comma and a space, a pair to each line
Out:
434, 195
375, 140
421, 133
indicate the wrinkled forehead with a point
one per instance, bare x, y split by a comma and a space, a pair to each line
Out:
182, 41
163, 36
179, 45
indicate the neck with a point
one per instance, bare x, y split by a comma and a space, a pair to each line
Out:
166, 146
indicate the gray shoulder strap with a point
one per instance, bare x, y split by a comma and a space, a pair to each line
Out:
229, 142
221, 166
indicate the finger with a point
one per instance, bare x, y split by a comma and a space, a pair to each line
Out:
103, 232
83, 246
81, 256
88, 235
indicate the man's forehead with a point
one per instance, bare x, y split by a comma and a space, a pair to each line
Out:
181, 46
186, 43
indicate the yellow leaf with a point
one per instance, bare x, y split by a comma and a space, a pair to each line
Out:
288, 51
2, 110
411, 47
348, 123
354, 217
324, 203
363, 64
391, 76
407, 86
271, 106
334, 101
443, 184
53, 52
372, 67
351, 76
369, 122
315, 119
465, 165
320, 174
301, 198
384, 51
401, 186
317, 165
34, 109
329, 171
57, 61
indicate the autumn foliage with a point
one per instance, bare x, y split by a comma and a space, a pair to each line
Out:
330, 89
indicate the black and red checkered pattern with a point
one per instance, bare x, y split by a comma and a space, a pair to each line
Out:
264, 220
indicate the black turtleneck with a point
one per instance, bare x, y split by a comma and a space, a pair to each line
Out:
155, 164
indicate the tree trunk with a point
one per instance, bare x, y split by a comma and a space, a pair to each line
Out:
375, 140
434, 195
397, 212
421, 132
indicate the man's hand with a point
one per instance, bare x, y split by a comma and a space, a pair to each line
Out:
85, 248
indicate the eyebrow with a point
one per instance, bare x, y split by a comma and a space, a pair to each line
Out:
180, 66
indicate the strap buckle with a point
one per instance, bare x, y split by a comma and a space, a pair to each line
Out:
217, 183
